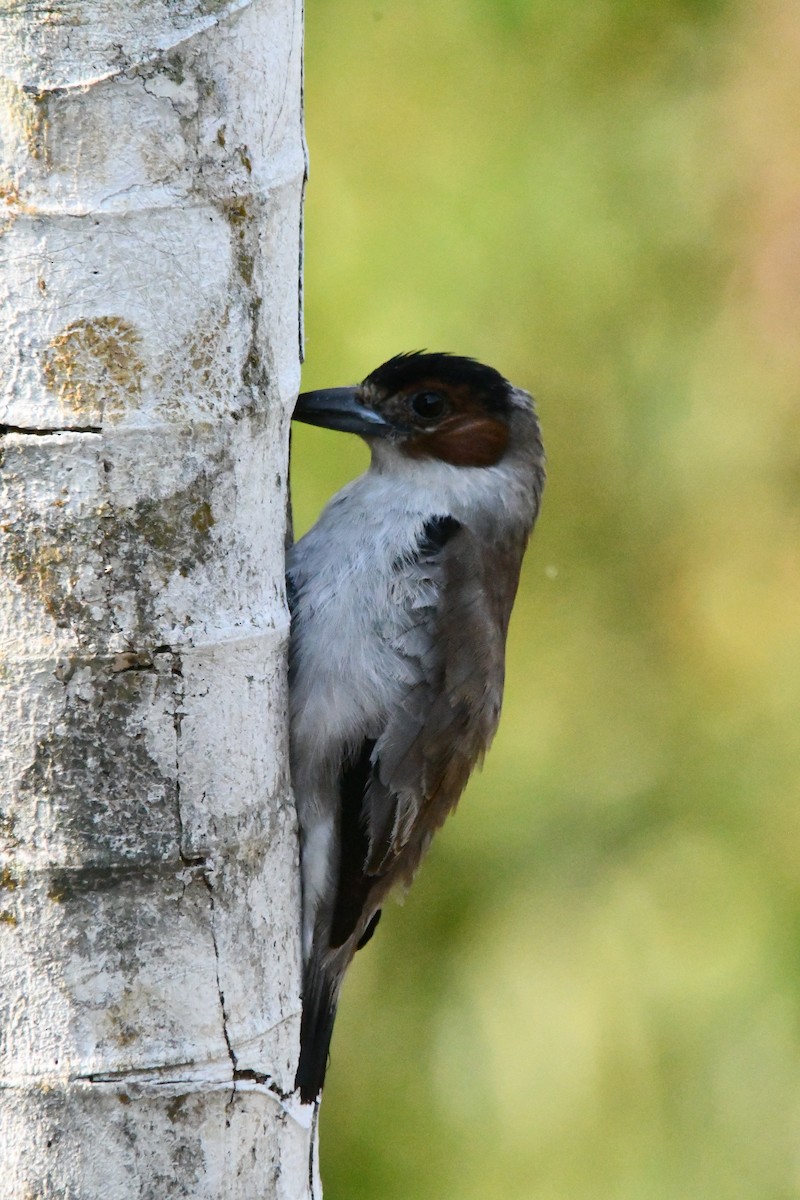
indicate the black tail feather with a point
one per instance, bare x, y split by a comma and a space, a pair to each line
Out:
320, 995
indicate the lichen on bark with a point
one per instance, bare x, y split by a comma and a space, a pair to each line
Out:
94, 366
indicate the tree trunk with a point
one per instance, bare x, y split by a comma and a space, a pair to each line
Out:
149, 910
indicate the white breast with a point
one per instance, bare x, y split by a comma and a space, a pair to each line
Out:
350, 602
352, 599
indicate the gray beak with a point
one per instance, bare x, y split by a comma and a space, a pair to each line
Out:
340, 408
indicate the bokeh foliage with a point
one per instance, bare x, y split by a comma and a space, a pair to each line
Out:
593, 988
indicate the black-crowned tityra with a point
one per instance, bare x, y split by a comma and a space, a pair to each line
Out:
400, 598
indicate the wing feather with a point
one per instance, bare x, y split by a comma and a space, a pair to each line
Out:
402, 782
444, 721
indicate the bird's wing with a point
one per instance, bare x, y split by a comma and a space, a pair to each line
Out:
400, 785
447, 716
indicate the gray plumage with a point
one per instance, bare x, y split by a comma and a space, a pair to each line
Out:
401, 596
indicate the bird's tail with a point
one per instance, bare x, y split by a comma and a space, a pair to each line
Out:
320, 996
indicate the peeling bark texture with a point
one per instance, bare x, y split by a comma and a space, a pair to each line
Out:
151, 179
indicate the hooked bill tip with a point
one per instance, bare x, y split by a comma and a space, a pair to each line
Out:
340, 409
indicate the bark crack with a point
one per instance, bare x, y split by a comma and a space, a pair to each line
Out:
223, 1011
248, 1075
175, 107
31, 431
198, 864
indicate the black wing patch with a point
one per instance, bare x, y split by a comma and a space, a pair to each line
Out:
354, 883
436, 533
368, 932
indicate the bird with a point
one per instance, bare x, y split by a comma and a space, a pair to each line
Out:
400, 597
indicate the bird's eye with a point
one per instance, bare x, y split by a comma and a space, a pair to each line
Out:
427, 405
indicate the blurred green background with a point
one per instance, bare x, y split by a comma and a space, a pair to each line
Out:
593, 989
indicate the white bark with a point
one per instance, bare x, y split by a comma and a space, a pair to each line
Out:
151, 183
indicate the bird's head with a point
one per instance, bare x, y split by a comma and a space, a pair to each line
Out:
434, 406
